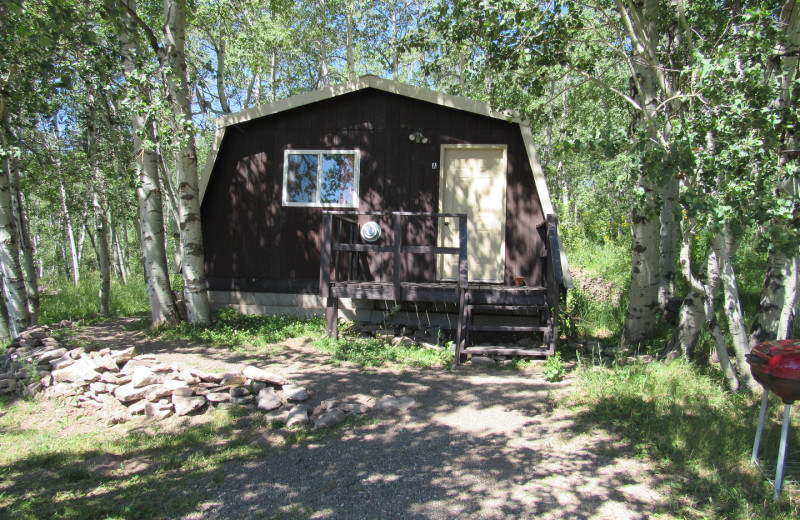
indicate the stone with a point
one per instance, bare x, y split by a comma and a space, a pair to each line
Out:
327, 404
127, 368
159, 392
129, 392
218, 397
391, 404
257, 374
256, 386
156, 410
297, 416
233, 380
174, 384
137, 408
295, 392
98, 388
187, 405
50, 355
121, 357
277, 416
77, 371
403, 341
183, 391
207, 376
482, 360
143, 376
123, 379
526, 342
76, 352
247, 399
268, 400
354, 408
329, 419
238, 391
387, 334
188, 377
61, 362
161, 367
106, 362
108, 377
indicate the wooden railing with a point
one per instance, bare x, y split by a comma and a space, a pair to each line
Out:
338, 226
554, 278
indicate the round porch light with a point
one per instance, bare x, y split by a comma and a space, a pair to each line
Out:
371, 231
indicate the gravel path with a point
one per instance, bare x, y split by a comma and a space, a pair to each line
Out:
480, 443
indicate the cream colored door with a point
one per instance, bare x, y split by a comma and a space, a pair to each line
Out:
473, 181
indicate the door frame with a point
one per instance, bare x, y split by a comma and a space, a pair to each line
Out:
442, 165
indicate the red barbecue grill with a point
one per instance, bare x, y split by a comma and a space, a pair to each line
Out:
776, 365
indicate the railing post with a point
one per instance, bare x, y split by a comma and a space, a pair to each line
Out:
398, 245
554, 278
462, 252
325, 255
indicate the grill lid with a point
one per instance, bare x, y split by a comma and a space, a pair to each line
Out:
777, 358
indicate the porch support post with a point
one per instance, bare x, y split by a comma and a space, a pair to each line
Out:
332, 317
325, 255
398, 245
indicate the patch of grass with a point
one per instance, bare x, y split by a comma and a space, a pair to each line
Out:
47, 472
682, 419
231, 329
60, 299
373, 352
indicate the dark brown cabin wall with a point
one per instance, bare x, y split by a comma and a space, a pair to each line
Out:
250, 236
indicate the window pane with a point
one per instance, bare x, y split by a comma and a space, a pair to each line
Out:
338, 178
301, 186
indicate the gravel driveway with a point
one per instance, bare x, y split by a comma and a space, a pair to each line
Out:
479, 443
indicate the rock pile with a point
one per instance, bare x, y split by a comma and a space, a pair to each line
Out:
123, 384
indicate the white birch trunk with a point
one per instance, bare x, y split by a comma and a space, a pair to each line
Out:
73, 246
150, 223
192, 260
777, 306
669, 242
99, 206
693, 314
5, 332
223, 96
119, 255
351, 63
640, 319
722, 246
26, 246
13, 280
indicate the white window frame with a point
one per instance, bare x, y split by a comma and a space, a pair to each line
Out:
317, 203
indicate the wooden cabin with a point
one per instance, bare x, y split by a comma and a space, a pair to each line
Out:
466, 229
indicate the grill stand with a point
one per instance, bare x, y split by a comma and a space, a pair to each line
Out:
778, 482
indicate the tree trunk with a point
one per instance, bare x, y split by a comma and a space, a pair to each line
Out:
73, 246
669, 242
640, 319
693, 312
351, 63
99, 206
13, 281
26, 246
119, 255
223, 96
151, 220
722, 246
5, 332
192, 260
777, 307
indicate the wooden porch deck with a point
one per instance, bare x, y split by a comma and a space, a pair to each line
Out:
468, 296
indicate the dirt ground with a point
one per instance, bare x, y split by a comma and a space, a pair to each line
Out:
479, 443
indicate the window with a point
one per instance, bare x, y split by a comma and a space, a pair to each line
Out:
326, 178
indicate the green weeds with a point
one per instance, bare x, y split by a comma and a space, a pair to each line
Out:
60, 299
375, 352
685, 422
234, 330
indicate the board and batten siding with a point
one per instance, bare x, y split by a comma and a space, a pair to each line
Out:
253, 243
